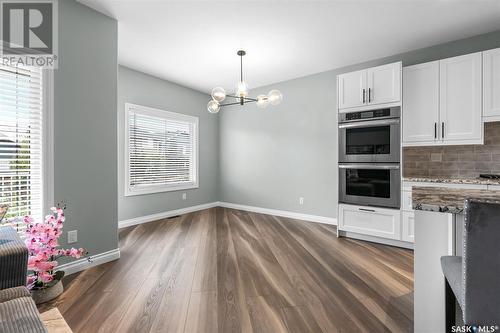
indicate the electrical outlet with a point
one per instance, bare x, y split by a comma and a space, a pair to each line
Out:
72, 236
184, 196
301, 201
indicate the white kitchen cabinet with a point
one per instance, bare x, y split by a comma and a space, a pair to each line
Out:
371, 221
351, 87
491, 85
408, 226
384, 84
373, 86
421, 103
443, 108
406, 202
460, 96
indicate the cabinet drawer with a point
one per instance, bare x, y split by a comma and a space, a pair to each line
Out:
406, 201
408, 227
379, 222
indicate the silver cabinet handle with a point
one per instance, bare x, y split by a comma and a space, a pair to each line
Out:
442, 130
364, 96
369, 95
370, 123
367, 210
435, 130
366, 166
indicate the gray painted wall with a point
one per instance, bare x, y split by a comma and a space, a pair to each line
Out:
85, 88
269, 158
139, 88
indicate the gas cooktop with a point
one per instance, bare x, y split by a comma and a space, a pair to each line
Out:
489, 176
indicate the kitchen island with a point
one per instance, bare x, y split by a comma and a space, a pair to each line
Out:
439, 221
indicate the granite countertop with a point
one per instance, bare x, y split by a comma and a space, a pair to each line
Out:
449, 200
448, 180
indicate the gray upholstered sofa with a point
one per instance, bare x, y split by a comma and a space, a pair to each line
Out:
472, 279
18, 311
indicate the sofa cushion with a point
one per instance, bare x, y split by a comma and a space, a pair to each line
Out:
20, 315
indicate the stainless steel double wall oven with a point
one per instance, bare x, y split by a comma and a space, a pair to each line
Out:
369, 157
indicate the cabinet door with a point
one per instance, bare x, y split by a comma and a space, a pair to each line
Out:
460, 99
384, 84
421, 103
408, 226
491, 84
350, 89
379, 222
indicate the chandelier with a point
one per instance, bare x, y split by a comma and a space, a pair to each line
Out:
274, 97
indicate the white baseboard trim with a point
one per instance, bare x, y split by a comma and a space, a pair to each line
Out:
164, 215
374, 239
283, 213
84, 263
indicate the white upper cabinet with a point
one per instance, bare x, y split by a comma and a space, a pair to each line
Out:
491, 85
351, 87
384, 84
372, 86
460, 99
421, 103
442, 102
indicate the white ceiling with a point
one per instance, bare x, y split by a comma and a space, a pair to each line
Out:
194, 43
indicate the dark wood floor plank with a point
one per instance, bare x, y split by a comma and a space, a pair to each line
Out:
225, 270
232, 314
336, 289
265, 315
205, 278
259, 269
202, 313
299, 319
315, 283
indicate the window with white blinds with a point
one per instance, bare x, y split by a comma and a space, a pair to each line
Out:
21, 138
161, 150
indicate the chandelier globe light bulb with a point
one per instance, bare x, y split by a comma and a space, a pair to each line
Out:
213, 106
262, 101
275, 97
218, 94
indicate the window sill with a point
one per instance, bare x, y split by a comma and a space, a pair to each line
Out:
159, 189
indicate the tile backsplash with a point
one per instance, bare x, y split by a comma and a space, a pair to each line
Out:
455, 161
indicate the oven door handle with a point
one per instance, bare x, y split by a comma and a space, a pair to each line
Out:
369, 166
369, 123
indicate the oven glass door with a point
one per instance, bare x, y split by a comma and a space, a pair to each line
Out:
370, 141
375, 185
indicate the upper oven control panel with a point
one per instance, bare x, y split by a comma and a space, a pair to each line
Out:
372, 114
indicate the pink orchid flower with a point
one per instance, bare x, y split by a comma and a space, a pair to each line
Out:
43, 247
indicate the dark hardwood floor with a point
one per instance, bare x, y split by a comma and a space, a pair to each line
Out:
224, 270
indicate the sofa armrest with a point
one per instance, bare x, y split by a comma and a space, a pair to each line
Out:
13, 259
11, 293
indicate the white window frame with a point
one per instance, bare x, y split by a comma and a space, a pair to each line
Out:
48, 142
47, 169
166, 115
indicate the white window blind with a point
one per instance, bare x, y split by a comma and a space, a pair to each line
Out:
21, 137
162, 150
